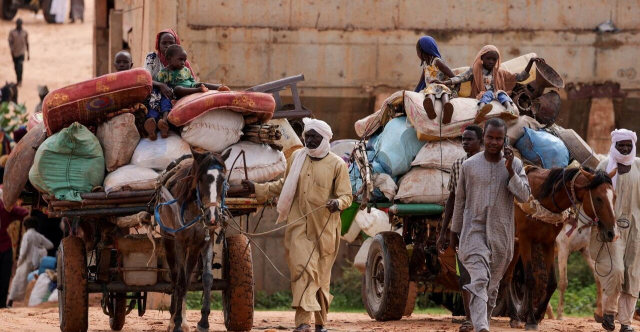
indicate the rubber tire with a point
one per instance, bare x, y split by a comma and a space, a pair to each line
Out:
73, 298
411, 299
8, 13
46, 11
391, 303
237, 299
116, 323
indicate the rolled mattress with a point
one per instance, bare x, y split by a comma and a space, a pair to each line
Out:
90, 102
261, 105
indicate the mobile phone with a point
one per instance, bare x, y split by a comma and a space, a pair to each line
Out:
506, 142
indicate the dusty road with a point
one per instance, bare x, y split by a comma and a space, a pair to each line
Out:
46, 320
61, 54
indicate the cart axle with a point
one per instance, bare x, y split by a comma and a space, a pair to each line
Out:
161, 287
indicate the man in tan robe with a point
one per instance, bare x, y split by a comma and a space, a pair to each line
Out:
619, 267
315, 188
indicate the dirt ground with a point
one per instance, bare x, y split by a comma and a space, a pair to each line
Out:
60, 54
45, 319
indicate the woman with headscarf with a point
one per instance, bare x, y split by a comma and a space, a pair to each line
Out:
160, 100
490, 82
433, 70
620, 286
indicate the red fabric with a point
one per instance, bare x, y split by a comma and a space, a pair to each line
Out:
6, 218
90, 102
164, 61
261, 105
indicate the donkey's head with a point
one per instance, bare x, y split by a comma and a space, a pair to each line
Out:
208, 176
599, 201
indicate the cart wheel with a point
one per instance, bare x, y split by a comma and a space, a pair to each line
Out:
411, 299
237, 299
73, 295
118, 310
7, 12
46, 11
387, 277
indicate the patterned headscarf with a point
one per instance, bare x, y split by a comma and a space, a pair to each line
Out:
502, 79
163, 60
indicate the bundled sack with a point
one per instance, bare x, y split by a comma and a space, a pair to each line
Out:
214, 130
130, 177
397, 146
92, 101
424, 185
16, 170
258, 104
158, 154
119, 138
373, 222
68, 163
290, 141
516, 130
543, 149
263, 163
440, 154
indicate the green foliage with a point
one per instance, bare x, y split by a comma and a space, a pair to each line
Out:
580, 297
12, 116
347, 291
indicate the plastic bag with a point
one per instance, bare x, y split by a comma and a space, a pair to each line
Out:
160, 153
130, 177
214, 131
543, 149
118, 138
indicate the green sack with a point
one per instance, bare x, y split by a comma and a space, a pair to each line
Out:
68, 163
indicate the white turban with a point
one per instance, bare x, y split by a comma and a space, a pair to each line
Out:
291, 182
615, 157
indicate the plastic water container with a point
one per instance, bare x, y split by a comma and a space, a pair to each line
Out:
138, 252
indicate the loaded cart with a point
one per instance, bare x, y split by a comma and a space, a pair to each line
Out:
113, 250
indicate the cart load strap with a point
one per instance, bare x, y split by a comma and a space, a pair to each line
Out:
416, 209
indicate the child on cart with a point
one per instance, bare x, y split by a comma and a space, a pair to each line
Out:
179, 78
490, 82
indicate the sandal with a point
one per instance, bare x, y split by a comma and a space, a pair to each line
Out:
608, 323
467, 326
150, 127
448, 113
303, 328
320, 328
429, 107
482, 113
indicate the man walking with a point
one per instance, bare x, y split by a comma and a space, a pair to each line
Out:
19, 45
315, 187
472, 144
621, 285
483, 218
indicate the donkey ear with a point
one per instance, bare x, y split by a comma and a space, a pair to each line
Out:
587, 175
197, 156
225, 154
613, 173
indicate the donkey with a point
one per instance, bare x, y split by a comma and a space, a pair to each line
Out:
188, 227
557, 190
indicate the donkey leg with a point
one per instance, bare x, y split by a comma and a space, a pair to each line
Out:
563, 257
207, 282
552, 282
530, 284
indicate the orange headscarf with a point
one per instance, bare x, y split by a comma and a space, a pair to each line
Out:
502, 79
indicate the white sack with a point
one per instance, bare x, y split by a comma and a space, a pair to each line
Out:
352, 233
263, 163
373, 223
40, 290
516, 130
439, 154
118, 138
130, 177
385, 184
214, 131
160, 153
424, 185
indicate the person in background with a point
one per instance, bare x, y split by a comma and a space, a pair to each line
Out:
50, 228
33, 248
43, 91
483, 218
435, 69
6, 249
315, 189
19, 45
490, 82
122, 61
77, 11
472, 144
621, 286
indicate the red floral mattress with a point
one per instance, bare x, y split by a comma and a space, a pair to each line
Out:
190, 107
90, 102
